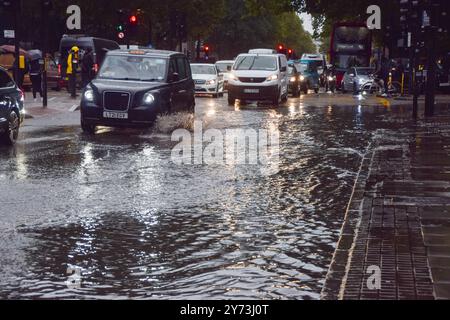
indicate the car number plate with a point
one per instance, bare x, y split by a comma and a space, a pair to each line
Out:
115, 115
251, 90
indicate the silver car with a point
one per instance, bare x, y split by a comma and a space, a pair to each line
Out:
356, 78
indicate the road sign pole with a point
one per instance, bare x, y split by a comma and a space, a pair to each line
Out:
44, 54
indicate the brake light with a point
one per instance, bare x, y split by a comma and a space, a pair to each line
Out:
59, 69
96, 68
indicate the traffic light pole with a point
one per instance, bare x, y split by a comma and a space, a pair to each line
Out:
16, 41
44, 54
431, 74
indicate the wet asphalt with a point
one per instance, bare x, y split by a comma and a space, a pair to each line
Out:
130, 223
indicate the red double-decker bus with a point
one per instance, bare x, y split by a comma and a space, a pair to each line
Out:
351, 46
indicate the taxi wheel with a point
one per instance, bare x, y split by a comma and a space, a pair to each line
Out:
87, 128
12, 134
231, 100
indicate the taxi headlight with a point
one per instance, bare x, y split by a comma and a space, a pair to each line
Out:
302, 78
232, 76
211, 82
293, 79
149, 98
89, 95
272, 77
330, 78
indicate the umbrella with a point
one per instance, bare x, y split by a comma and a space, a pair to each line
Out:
34, 55
11, 49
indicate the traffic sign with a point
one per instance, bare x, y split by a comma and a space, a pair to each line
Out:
9, 34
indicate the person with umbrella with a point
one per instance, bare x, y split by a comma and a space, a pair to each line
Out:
36, 72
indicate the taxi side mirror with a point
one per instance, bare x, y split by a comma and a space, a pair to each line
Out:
229, 68
283, 69
175, 77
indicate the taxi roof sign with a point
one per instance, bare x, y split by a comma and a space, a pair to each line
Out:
139, 52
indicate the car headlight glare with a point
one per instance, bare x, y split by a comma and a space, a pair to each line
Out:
330, 78
232, 77
302, 78
272, 77
211, 82
89, 95
293, 79
149, 98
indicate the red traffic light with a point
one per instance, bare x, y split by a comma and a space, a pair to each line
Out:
290, 51
206, 48
133, 19
280, 47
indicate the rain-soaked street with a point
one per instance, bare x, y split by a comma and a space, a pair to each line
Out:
115, 207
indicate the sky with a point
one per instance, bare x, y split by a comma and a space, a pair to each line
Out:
307, 22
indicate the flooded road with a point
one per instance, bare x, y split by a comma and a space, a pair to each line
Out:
114, 209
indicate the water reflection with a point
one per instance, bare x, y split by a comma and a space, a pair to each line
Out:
138, 225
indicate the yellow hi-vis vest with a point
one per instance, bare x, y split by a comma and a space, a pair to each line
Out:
69, 64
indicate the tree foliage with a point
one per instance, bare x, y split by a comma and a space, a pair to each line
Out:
248, 24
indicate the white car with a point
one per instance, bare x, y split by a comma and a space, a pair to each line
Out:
208, 79
259, 77
224, 68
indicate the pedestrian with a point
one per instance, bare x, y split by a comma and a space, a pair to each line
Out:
23, 68
384, 74
72, 64
36, 78
87, 67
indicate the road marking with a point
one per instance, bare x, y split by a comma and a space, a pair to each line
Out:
74, 108
51, 99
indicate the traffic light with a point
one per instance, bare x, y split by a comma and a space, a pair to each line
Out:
282, 49
290, 53
133, 22
206, 50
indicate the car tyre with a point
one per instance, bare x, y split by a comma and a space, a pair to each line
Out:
12, 134
87, 128
231, 100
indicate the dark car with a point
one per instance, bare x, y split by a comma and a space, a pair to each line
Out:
134, 86
294, 81
11, 109
98, 46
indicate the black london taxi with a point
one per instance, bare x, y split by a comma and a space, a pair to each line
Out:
12, 111
133, 87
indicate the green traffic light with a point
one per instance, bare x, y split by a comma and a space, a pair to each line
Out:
120, 28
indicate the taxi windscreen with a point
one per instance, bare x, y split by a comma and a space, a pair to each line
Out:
134, 68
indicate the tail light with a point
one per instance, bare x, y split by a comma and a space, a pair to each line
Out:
59, 70
96, 68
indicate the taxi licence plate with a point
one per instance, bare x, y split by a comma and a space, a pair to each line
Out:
115, 115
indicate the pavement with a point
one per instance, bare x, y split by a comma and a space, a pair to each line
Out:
398, 220
58, 102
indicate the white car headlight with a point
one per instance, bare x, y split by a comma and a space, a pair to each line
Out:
232, 76
293, 79
89, 95
272, 77
330, 78
149, 98
211, 82
302, 78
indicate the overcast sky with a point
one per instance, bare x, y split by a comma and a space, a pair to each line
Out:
307, 22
